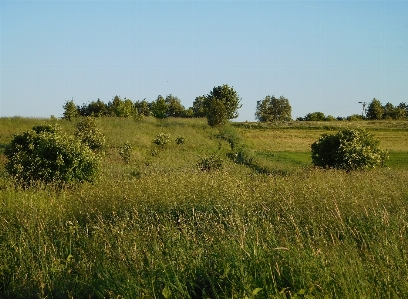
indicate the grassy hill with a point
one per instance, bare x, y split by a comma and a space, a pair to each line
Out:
267, 225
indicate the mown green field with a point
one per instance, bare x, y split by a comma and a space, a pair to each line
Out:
266, 226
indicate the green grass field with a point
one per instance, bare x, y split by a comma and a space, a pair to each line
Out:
272, 227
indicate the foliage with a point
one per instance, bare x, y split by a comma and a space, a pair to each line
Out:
88, 133
188, 113
211, 162
70, 110
331, 118
159, 108
198, 107
394, 112
142, 108
180, 140
175, 108
125, 151
221, 104
315, 116
121, 108
273, 109
216, 112
349, 149
355, 117
162, 139
402, 111
44, 154
96, 109
375, 110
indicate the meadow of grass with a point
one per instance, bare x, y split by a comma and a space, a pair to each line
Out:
160, 228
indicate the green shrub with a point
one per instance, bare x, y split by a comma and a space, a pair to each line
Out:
44, 154
211, 162
89, 134
180, 140
125, 152
348, 149
162, 139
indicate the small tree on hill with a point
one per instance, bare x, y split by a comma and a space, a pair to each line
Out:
349, 149
221, 104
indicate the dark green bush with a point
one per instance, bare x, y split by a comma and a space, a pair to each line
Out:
349, 149
211, 162
44, 154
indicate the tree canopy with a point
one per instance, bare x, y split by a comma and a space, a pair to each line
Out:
221, 104
375, 110
273, 109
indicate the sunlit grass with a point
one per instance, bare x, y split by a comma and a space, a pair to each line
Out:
224, 235
159, 227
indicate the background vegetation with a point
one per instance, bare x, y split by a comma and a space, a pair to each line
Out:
265, 225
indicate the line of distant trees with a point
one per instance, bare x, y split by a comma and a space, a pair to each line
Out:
118, 107
220, 105
375, 111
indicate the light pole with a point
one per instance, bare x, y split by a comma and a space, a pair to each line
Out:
364, 105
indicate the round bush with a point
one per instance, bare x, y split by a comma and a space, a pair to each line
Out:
44, 154
349, 149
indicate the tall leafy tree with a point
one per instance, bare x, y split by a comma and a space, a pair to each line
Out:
97, 108
402, 111
375, 110
389, 111
273, 109
142, 108
175, 108
221, 104
394, 112
121, 108
198, 106
159, 108
70, 110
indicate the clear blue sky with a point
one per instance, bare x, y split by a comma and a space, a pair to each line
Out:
322, 55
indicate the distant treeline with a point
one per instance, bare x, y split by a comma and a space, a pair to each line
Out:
160, 108
269, 109
375, 111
